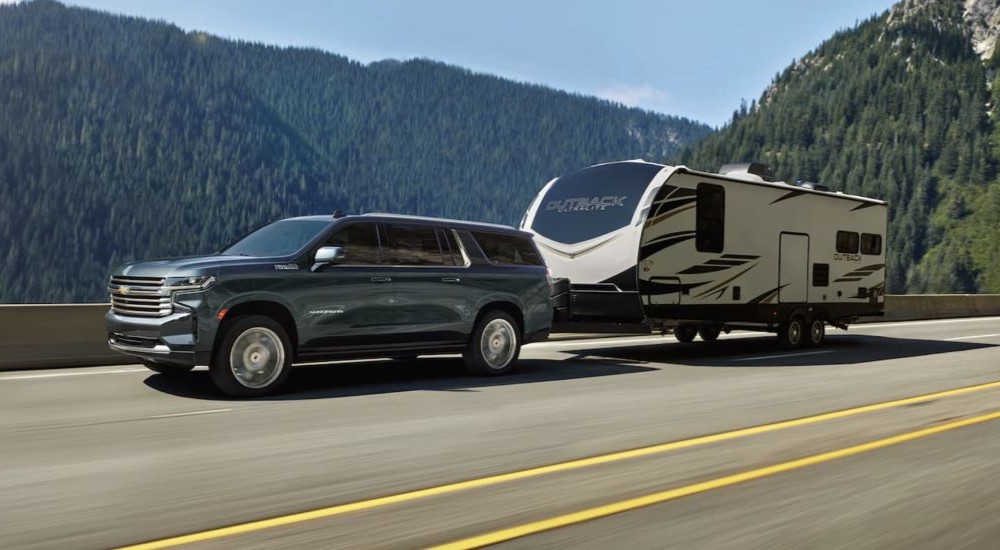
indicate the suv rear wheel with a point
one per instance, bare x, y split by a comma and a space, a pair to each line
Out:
254, 359
494, 345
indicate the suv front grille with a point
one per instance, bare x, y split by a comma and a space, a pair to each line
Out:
139, 297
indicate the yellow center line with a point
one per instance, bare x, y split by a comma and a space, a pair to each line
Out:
410, 496
589, 514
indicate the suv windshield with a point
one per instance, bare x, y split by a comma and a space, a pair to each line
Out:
278, 239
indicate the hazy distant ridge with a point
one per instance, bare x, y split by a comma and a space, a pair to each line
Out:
122, 138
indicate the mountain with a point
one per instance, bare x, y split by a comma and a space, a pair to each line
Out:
122, 138
901, 107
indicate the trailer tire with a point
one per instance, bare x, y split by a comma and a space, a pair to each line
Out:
817, 332
685, 333
709, 333
792, 333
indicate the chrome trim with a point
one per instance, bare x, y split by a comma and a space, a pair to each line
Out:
581, 252
461, 248
138, 281
147, 296
609, 288
159, 349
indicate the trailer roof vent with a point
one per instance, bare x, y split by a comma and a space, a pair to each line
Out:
811, 185
758, 169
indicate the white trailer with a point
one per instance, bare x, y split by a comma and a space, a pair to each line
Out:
701, 253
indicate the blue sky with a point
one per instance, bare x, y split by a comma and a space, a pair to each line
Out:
697, 59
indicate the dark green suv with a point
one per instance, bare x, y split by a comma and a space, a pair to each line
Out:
322, 288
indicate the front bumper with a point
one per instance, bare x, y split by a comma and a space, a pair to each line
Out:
172, 339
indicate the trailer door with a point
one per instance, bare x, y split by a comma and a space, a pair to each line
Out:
793, 269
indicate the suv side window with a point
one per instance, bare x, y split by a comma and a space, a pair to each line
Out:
359, 242
507, 249
412, 245
452, 254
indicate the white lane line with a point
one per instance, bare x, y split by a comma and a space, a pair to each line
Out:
599, 341
668, 339
783, 356
191, 413
917, 323
62, 374
971, 337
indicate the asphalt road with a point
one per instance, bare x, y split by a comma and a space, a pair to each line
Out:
111, 456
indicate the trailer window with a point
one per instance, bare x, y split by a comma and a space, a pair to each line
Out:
871, 244
847, 242
507, 249
592, 202
710, 225
821, 274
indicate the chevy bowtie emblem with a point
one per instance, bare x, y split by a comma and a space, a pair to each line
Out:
123, 290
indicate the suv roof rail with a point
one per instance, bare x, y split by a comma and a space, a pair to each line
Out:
445, 220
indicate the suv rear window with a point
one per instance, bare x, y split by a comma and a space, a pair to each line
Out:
412, 245
507, 249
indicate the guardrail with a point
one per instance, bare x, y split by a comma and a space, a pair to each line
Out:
72, 335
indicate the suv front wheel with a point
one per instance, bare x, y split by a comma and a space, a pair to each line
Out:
254, 358
495, 344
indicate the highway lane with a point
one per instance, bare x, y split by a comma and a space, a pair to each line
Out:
109, 456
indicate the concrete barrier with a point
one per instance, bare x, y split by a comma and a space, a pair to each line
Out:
914, 307
72, 335
55, 335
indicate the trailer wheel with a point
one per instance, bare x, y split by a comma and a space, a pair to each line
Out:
709, 333
817, 332
791, 334
685, 333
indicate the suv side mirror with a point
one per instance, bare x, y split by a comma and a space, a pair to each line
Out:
327, 255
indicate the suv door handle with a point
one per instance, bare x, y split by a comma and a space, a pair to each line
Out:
451, 280
381, 279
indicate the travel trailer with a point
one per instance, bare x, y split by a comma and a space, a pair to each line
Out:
703, 253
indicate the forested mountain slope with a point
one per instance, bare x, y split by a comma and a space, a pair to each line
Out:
902, 108
122, 138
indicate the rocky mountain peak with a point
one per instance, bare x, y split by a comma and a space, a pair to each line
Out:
983, 20
980, 19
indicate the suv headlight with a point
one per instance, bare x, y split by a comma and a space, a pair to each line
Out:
189, 284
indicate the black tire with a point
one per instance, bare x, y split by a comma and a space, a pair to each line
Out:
494, 345
167, 370
816, 335
685, 333
792, 333
264, 363
709, 333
